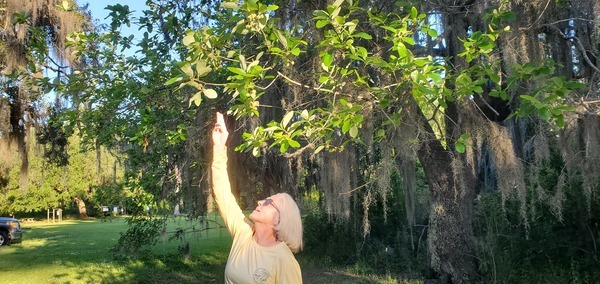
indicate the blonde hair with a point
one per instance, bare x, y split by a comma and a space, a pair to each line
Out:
289, 229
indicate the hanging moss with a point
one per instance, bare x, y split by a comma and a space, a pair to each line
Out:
591, 166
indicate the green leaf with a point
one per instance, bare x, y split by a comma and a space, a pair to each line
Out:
202, 69
256, 152
544, 113
558, 81
495, 78
362, 52
432, 33
436, 78
408, 40
286, 118
65, 6
294, 143
174, 79
320, 15
281, 38
353, 131
402, 50
346, 126
238, 71
321, 23
413, 12
461, 143
529, 98
283, 146
460, 146
560, 121
327, 59
363, 35
230, 6
304, 114
319, 149
188, 38
210, 93
196, 99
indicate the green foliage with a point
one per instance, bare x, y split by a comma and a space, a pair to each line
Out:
54, 185
321, 234
252, 68
550, 100
141, 234
54, 141
555, 249
392, 244
126, 102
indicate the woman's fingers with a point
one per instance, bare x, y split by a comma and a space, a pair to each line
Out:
220, 124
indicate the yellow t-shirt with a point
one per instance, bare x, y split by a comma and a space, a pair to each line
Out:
248, 261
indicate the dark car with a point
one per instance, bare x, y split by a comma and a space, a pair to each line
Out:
10, 231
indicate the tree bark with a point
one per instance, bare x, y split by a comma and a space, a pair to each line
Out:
81, 206
451, 240
450, 175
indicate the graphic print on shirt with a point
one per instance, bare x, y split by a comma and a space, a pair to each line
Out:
260, 275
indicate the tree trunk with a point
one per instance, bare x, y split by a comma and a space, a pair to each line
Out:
178, 184
450, 175
81, 207
451, 240
18, 132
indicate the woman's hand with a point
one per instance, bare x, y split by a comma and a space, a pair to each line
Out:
219, 133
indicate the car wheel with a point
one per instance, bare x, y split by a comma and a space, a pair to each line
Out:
3, 238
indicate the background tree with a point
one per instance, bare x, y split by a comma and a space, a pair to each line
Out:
150, 126
74, 187
33, 40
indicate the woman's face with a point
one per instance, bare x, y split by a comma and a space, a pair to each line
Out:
267, 211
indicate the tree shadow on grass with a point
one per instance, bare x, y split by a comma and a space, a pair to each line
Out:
169, 268
79, 252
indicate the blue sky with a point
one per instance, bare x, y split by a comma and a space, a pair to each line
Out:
99, 14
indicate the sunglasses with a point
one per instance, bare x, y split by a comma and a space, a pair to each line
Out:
269, 201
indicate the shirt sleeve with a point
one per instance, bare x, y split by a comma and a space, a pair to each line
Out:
290, 272
230, 211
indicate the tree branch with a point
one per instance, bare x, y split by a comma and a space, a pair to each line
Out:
580, 47
306, 86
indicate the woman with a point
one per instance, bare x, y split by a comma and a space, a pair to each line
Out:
262, 250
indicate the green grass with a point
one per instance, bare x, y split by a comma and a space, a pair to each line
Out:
77, 251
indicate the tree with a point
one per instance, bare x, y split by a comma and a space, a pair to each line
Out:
357, 90
360, 80
80, 181
34, 34
162, 142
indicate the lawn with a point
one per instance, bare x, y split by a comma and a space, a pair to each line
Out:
77, 251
